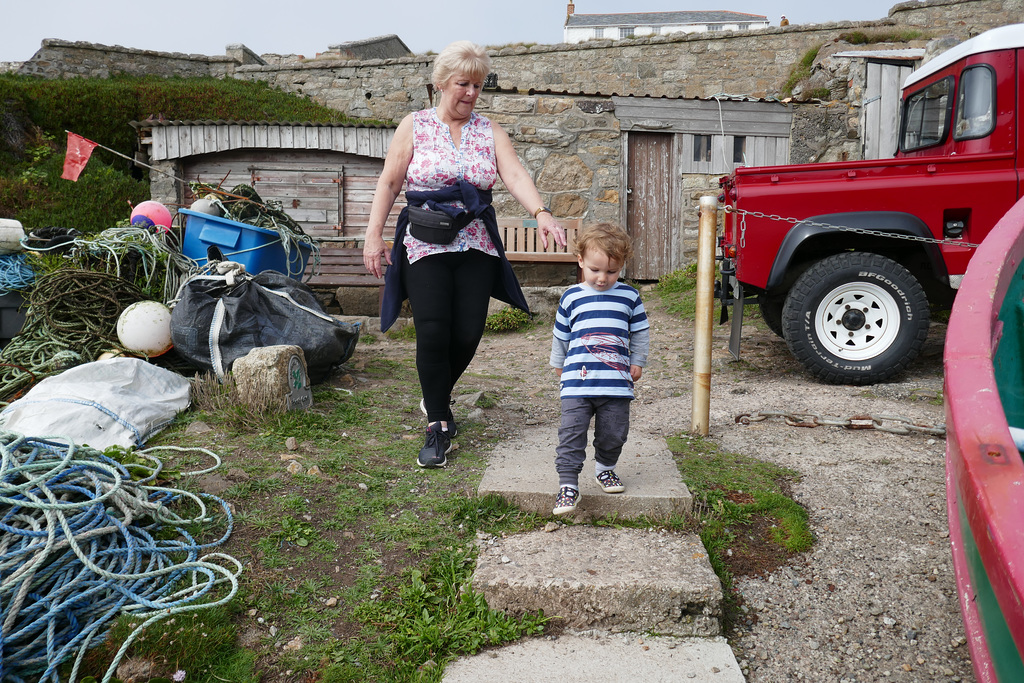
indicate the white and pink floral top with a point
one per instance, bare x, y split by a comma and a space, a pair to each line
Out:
437, 164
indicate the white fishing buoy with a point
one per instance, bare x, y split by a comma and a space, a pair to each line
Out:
11, 235
145, 327
206, 206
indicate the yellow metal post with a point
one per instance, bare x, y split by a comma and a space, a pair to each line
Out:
704, 319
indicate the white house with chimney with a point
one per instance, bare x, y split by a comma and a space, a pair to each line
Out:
581, 27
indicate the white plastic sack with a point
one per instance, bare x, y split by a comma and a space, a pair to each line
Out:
113, 402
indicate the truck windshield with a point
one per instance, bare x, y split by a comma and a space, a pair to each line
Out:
926, 116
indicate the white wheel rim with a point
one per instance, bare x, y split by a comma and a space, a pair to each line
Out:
857, 321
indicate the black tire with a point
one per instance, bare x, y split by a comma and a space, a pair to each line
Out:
855, 318
771, 311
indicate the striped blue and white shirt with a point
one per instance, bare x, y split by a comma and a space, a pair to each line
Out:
597, 336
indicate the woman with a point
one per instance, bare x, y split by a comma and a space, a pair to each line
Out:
450, 157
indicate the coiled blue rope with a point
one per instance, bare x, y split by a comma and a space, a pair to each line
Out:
15, 273
81, 543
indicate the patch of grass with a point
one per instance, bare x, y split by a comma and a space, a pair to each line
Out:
872, 37
736, 495
801, 70
429, 617
404, 333
678, 291
200, 643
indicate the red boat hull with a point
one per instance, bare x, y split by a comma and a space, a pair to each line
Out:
984, 470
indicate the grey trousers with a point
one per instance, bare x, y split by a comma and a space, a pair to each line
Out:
611, 427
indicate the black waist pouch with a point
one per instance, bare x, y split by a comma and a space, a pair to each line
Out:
435, 227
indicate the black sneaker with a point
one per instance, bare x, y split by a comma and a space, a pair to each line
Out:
453, 429
438, 445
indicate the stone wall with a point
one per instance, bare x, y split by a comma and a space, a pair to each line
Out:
962, 18
64, 59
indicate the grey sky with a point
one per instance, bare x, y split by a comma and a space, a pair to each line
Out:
307, 27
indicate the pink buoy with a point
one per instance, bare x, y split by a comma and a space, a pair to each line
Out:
151, 214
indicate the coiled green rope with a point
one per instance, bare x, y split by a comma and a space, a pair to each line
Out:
82, 543
151, 260
71, 319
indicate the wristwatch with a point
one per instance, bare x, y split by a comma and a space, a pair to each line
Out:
541, 210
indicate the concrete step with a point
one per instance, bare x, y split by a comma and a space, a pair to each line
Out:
588, 577
523, 471
609, 658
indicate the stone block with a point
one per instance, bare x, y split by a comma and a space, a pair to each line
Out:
273, 377
603, 578
358, 300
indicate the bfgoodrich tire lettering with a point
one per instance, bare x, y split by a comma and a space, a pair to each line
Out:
855, 318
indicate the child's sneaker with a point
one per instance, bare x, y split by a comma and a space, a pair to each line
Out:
610, 482
566, 501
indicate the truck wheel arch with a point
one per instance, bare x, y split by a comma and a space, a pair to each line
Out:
876, 221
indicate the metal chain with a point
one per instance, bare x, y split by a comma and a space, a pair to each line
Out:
844, 228
893, 424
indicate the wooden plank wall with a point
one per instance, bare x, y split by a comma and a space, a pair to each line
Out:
327, 193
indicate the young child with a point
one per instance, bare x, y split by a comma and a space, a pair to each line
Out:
600, 345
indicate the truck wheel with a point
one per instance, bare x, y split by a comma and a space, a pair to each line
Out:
771, 311
855, 318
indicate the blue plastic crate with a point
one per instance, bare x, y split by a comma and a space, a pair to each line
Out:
257, 249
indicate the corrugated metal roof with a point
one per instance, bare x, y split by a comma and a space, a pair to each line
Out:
722, 97
660, 18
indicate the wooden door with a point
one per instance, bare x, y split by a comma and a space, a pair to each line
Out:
651, 201
881, 111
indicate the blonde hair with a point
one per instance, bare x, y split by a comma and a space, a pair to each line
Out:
607, 237
462, 57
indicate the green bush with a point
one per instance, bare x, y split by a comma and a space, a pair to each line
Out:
36, 115
508, 320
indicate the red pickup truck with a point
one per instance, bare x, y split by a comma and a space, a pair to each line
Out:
846, 260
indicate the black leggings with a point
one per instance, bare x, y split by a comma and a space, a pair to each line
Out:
449, 294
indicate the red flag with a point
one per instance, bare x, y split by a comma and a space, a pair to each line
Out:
79, 151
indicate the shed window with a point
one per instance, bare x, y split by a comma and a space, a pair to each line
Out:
975, 103
626, 31
599, 33
702, 148
739, 149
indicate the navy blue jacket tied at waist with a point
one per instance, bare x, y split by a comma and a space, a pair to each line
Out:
477, 204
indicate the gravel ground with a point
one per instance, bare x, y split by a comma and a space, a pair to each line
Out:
874, 599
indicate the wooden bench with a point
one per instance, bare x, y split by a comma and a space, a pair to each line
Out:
522, 243
342, 266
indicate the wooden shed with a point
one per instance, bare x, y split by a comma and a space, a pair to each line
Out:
324, 175
667, 139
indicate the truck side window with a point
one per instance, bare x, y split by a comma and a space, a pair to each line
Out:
975, 104
926, 116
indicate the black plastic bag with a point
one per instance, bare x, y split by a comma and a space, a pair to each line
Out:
220, 318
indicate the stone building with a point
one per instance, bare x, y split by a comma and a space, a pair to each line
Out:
581, 27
